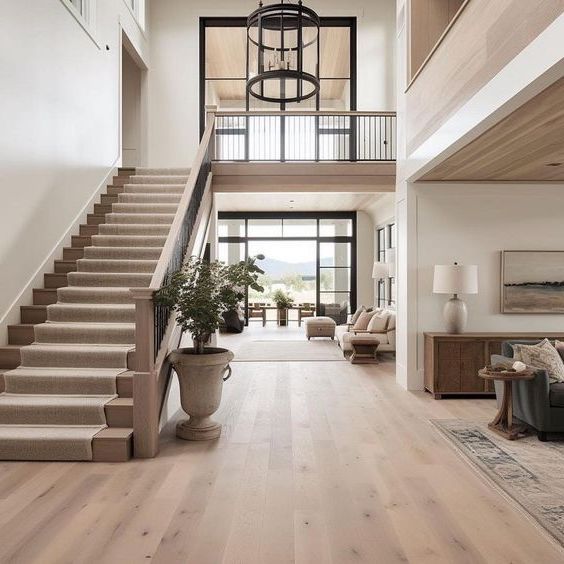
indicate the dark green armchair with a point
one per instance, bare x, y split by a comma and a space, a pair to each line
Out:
537, 402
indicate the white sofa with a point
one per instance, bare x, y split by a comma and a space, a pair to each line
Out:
387, 338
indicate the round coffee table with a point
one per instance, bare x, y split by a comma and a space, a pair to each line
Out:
364, 349
503, 422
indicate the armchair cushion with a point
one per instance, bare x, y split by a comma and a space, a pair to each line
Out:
543, 355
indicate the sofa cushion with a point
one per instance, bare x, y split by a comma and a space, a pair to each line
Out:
363, 321
543, 355
557, 394
378, 322
391, 322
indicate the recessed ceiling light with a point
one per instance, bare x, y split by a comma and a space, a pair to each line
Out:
553, 164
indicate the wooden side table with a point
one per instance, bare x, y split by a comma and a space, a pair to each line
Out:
364, 349
503, 422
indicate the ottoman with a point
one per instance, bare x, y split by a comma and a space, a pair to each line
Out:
320, 327
364, 347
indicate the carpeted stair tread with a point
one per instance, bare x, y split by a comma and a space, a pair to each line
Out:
92, 312
148, 208
149, 198
76, 355
94, 295
42, 442
128, 240
151, 171
47, 409
115, 265
152, 218
110, 279
87, 333
149, 253
158, 179
153, 188
61, 380
133, 229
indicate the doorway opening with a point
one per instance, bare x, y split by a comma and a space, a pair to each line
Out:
132, 75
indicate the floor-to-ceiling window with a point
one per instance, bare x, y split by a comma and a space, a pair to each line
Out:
309, 255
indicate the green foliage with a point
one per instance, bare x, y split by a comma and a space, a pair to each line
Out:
200, 292
281, 299
294, 281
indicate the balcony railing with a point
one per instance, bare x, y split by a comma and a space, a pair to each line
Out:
305, 136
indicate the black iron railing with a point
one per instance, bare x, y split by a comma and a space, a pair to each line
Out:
314, 136
178, 254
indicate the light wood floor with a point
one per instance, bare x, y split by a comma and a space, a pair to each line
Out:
318, 462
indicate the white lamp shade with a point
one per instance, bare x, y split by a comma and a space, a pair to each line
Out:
379, 270
391, 261
455, 279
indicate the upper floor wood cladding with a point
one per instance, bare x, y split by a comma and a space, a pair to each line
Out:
528, 145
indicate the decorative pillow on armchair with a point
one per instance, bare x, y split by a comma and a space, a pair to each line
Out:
363, 321
543, 355
379, 322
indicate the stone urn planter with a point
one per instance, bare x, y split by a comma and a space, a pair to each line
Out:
201, 378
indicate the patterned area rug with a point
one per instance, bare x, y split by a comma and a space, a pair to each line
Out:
527, 470
279, 351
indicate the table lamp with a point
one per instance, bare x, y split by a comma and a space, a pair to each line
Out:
455, 279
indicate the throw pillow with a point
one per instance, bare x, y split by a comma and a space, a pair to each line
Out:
391, 322
363, 321
543, 355
378, 322
559, 346
357, 313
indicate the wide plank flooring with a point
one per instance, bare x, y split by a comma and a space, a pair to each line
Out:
318, 462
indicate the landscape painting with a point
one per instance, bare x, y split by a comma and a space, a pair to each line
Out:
532, 282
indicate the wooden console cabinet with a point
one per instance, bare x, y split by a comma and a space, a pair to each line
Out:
452, 361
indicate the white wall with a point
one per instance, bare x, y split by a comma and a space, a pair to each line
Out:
131, 111
174, 76
364, 259
471, 224
60, 132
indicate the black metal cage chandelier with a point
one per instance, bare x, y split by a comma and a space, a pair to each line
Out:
283, 53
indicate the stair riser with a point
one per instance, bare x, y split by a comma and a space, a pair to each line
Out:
119, 415
108, 279
145, 208
46, 333
114, 190
152, 189
108, 199
150, 171
64, 267
88, 230
94, 219
139, 218
49, 385
123, 253
66, 358
55, 280
101, 209
20, 334
115, 266
87, 315
80, 241
133, 229
74, 295
30, 314
43, 296
16, 415
149, 198
128, 241
72, 253
111, 450
154, 179
10, 357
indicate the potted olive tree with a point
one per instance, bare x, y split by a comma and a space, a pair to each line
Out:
283, 301
200, 293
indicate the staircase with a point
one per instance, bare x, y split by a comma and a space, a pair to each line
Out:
65, 374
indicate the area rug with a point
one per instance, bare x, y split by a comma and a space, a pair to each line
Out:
527, 470
280, 351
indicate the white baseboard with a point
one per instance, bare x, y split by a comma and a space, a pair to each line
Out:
25, 297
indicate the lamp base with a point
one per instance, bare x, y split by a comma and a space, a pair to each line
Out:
456, 315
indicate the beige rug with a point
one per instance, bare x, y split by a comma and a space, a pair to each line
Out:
292, 351
528, 471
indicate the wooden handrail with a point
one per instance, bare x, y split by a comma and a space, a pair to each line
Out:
161, 268
242, 113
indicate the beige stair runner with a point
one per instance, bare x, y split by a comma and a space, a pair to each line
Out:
53, 404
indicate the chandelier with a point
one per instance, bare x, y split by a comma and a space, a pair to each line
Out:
283, 53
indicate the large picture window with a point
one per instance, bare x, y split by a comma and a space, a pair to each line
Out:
310, 255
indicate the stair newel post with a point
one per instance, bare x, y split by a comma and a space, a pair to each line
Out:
210, 117
145, 390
